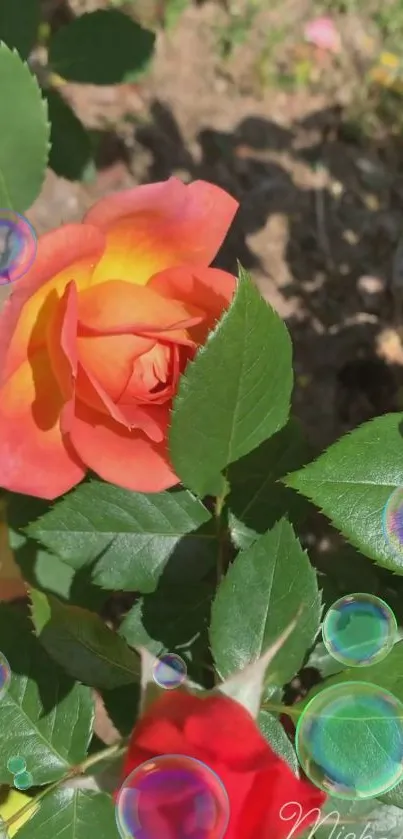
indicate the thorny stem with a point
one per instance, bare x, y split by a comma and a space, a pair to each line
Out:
114, 751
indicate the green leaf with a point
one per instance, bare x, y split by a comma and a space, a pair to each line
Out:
247, 685
275, 735
102, 47
173, 619
122, 705
388, 674
130, 537
257, 599
82, 644
19, 24
24, 145
256, 501
71, 150
44, 715
235, 394
72, 814
352, 481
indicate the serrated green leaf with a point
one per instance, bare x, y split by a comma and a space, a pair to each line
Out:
122, 706
44, 715
261, 593
129, 536
19, 24
173, 619
24, 145
235, 394
275, 735
82, 644
71, 150
102, 47
352, 481
256, 501
73, 814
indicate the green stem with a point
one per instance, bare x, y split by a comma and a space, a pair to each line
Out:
114, 751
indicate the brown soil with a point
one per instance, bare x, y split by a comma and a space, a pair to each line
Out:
319, 241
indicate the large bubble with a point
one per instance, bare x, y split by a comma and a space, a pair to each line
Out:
172, 795
349, 740
359, 630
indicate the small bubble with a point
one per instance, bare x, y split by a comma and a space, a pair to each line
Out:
18, 246
170, 671
172, 795
349, 740
359, 629
393, 521
16, 764
5, 675
23, 780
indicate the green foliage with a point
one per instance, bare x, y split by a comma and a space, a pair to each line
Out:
81, 643
228, 402
258, 597
352, 481
78, 52
24, 145
44, 715
71, 151
128, 538
73, 814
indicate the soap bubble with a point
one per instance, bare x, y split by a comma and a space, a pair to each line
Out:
16, 764
17, 246
349, 740
5, 675
23, 780
169, 671
359, 629
393, 521
172, 795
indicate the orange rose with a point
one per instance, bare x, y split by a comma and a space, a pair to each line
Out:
95, 337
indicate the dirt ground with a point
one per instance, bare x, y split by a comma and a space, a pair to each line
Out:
321, 209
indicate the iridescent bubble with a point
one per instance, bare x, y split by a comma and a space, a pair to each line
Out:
170, 671
172, 795
349, 740
5, 675
393, 521
359, 629
16, 764
17, 246
23, 780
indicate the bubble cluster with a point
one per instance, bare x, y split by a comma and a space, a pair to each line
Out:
349, 740
17, 766
393, 521
169, 671
359, 630
172, 795
5, 675
18, 246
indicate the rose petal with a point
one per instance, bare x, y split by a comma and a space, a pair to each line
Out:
209, 289
68, 253
156, 226
109, 359
126, 458
62, 340
34, 457
117, 308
